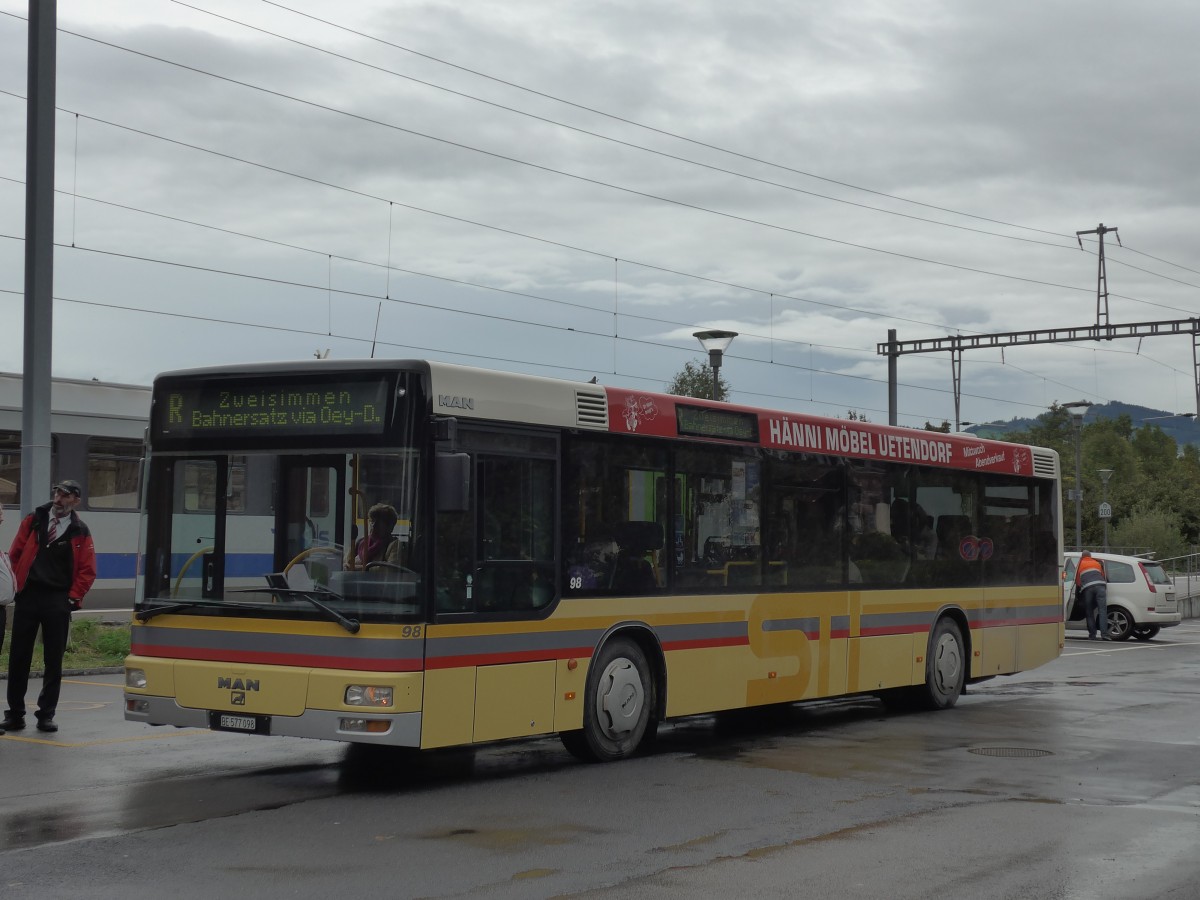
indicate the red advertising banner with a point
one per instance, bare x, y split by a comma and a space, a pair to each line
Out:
665, 415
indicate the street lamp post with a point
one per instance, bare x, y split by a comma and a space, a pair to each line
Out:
716, 343
1078, 410
1105, 509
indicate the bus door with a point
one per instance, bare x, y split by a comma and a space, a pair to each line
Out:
488, 675
308, 514
188, 562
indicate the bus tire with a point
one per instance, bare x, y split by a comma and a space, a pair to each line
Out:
945, 666
618, 704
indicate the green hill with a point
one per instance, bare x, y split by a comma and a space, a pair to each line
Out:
1183, 430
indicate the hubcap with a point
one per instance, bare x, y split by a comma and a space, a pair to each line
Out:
1118, 624
947, 664
619, 697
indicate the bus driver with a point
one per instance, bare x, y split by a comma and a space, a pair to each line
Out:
379, 544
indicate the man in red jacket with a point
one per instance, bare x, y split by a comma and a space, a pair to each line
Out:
54, 561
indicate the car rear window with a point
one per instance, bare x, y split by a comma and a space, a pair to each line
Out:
1156, 573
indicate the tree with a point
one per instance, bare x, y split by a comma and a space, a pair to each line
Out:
1149, 528
695, 379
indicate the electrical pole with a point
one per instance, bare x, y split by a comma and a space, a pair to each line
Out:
39, 254
1102, 274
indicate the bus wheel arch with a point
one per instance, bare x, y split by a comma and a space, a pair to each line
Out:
623, 697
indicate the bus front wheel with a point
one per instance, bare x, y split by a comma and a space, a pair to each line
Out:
617, 706
945, 667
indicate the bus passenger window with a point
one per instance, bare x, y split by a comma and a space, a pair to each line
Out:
633, 572
615, 512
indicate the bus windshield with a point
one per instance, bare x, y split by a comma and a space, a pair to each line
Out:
319, 535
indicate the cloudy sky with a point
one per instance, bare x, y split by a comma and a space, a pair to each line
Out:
572, 189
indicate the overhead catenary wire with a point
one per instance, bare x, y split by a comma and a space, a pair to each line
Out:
821, 371
680, 137
549, 241
291, 329
747, 220
650, 128
608, 138
327, 288
834, 306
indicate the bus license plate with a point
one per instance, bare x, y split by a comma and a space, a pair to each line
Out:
230, 722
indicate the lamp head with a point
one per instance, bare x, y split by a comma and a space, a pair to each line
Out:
1078, 409
715, 340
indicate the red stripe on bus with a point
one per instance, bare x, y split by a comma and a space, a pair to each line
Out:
1031, 620
701, 643
492, 659
901, 629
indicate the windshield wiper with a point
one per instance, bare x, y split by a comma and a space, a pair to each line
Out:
351, 625
145, 615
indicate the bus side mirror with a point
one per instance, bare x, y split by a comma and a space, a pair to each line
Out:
452, 482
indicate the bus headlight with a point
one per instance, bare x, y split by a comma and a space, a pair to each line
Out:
135, 678
368, 695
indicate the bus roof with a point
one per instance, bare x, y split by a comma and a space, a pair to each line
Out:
470, 392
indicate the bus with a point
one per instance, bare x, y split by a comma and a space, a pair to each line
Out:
567, 558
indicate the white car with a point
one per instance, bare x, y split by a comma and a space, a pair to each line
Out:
1141, 596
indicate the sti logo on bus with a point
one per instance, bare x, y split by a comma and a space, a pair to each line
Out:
237, 688
456, 402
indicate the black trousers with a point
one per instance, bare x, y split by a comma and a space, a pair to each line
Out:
50, 611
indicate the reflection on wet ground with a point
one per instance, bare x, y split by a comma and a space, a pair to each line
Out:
36, 827
213, 775
165, 778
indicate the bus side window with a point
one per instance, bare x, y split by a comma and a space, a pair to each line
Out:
633, 572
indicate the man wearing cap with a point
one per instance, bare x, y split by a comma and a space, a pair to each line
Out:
54, 562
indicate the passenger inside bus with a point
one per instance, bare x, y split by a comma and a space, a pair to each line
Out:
378, 544
633, 572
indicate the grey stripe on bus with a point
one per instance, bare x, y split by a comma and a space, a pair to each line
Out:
302, 644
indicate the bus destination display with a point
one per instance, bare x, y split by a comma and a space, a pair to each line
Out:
230, 409
701, 421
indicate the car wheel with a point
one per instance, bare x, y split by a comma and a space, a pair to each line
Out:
618, 705
1145, 632
1120, 624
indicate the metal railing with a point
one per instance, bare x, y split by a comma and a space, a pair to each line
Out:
1181, 566
1185, 572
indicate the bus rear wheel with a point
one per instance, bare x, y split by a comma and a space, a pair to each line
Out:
618, 704
945, 667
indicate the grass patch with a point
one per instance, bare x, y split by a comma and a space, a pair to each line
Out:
92, 645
